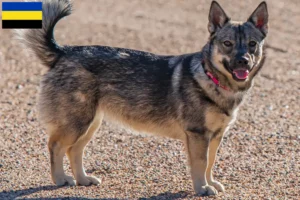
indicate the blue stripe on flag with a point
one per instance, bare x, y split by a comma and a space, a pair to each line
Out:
22, 6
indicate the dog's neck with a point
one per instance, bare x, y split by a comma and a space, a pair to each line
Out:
219, 92
211, 75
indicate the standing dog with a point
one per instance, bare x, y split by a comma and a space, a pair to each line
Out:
194, 97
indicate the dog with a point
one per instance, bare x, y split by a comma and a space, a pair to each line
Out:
193, 98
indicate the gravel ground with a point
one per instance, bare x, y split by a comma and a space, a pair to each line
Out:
259, 158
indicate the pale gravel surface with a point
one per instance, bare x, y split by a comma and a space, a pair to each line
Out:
259, 158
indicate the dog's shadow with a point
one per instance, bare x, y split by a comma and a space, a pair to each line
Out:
13, 194
168, 195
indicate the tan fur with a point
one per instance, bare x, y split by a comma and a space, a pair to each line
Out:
59, 142
217, 58
213, 148
215, 120
80, 97
170, 128
198, 159
75, 154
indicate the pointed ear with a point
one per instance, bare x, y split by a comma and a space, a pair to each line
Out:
260, 18
217, 17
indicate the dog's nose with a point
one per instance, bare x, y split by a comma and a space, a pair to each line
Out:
243, 61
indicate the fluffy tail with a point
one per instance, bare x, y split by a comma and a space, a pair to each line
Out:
41, 41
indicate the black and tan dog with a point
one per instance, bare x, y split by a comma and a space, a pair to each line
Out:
194, 97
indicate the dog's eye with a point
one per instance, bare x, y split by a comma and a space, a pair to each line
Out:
252, 44
227, 43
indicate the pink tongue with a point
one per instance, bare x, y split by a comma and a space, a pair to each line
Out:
241, 73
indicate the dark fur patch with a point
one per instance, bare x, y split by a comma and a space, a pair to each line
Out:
216, 133
198, 130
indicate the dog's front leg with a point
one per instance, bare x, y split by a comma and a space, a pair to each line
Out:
197, 145
213, 149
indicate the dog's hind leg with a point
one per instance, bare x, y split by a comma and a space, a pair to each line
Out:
70, 135
57, 148
75, 154
68, 108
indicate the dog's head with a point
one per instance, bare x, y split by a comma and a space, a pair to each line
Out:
237, 47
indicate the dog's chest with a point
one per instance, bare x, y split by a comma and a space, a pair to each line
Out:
218, 122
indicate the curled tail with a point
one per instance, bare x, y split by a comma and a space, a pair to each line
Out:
41, 41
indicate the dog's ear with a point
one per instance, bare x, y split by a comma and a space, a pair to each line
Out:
217, 17
260, 17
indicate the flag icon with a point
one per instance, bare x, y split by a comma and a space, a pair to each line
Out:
22, 15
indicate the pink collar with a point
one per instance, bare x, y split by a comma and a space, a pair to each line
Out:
216, 81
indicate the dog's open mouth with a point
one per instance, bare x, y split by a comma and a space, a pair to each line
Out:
240, 74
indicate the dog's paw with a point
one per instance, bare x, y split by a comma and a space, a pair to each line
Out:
206, 190
218, 186
88, 180
64, 180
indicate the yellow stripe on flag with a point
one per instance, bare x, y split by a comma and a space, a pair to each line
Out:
22, 15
